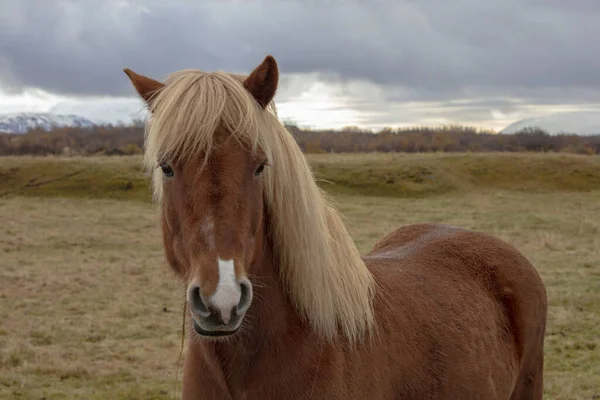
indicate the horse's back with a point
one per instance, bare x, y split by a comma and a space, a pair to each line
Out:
471, 305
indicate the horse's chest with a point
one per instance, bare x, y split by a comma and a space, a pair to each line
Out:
284, 378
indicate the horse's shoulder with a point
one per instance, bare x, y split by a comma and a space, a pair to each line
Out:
443, 254
409, 238
451, 251
449, 260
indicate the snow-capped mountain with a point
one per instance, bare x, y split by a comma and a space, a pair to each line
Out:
116, 111
576, 122
23, 122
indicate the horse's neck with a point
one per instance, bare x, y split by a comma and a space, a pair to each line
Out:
270, 322
271, 311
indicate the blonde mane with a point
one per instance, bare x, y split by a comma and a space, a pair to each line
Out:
319, 262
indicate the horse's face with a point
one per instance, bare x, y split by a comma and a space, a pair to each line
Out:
211, 222
212, 215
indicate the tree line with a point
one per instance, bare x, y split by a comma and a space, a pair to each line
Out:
127, 140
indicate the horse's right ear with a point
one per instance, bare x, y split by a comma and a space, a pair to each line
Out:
146, 87
262, 82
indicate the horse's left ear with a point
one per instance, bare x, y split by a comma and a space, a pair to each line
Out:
262, 82
146, 87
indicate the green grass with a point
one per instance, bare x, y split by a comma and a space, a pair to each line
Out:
94, 177
88, 309
388, 175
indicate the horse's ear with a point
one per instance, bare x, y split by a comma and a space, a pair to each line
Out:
146, 87
262, 82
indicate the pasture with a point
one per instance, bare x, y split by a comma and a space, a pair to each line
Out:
89, 309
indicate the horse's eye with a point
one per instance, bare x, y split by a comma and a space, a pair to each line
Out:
260, 169
167, 171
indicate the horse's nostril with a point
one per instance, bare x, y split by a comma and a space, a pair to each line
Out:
196, 303
245, 298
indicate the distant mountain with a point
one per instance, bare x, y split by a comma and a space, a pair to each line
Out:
577, 122
120, 111
22, 122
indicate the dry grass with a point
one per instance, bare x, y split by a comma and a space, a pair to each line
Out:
389, 175
88, 308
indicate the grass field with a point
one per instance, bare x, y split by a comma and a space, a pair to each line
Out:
89, 310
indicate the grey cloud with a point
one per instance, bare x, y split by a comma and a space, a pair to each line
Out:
426, 50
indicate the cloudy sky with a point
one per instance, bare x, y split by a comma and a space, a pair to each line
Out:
371, 63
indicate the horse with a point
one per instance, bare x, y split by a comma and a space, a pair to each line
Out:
282, 305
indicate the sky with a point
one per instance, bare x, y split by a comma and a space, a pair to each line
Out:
485, 63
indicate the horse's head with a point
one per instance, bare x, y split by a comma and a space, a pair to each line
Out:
210, 183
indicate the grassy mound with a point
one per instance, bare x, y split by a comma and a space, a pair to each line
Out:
396, 175
94, 177
410, 175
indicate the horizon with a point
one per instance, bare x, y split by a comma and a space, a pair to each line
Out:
126, 109
566, 122
329, 115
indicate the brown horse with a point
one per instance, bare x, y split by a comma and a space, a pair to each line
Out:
282, 304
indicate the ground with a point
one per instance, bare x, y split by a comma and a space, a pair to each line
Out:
88, 308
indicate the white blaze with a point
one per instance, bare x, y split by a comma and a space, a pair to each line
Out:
228, 291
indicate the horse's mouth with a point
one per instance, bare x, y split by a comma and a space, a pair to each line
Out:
215, 333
